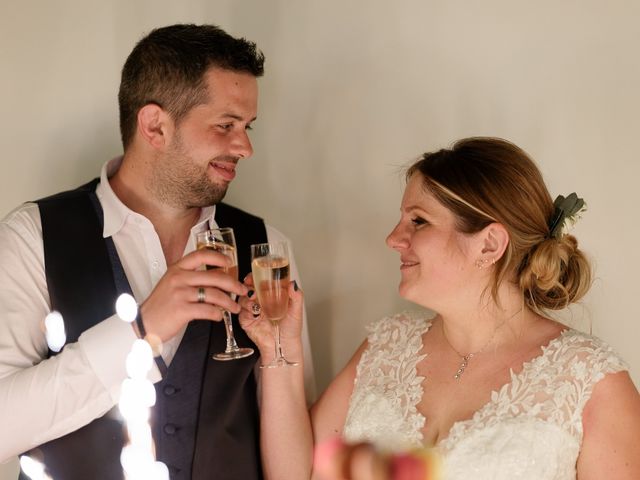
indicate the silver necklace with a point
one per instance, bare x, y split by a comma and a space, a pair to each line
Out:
465, 358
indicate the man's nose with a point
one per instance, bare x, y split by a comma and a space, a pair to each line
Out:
241, 146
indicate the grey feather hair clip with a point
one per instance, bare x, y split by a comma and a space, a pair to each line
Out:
566, 209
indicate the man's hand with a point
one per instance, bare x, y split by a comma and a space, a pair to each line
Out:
174, 301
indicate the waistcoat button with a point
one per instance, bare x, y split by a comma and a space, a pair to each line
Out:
169, 390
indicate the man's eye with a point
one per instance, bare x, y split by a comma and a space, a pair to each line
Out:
248, 127
225, 126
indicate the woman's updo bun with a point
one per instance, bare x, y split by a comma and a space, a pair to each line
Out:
555, 274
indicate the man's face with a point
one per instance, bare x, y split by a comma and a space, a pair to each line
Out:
200, 160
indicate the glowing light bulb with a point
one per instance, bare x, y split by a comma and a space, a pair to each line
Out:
54, 331
33, 469
137, 396
139, 360
126, 307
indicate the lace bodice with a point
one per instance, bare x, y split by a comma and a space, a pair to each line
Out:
530, 429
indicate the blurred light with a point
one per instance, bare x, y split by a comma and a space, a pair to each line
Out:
54, 331
160, 471
33, 469
131, 407
139, 360
140, 434
135, 461
126, 307
139, 464
137, 396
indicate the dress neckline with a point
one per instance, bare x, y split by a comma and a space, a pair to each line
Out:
461, 426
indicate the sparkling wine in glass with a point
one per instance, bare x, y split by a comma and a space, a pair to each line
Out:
222, 240
270, 268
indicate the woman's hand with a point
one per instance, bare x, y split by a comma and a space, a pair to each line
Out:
259, 329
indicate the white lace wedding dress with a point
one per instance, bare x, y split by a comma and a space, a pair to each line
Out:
530, 429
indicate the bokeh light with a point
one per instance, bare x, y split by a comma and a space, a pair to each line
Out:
54, 331
139, 360
33, 469
126, 307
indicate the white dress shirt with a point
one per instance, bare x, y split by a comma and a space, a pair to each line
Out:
42, 399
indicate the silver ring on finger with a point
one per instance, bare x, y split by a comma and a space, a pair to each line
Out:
255, 309
201, 295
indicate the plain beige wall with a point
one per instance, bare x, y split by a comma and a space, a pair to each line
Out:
353, 91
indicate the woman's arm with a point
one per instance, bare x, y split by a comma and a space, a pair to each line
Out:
285, 430
611, 423
286, 436
329, 413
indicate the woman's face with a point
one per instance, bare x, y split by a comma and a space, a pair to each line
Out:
436, 261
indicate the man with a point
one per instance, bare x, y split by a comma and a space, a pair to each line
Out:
188, 96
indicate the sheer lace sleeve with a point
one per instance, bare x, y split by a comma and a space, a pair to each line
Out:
532, 426
382, 409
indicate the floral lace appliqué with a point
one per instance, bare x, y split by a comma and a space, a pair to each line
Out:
531, 428
387, 390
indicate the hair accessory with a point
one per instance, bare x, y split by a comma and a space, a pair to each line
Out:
566, 209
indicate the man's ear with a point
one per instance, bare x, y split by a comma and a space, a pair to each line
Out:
153, 125
495, 240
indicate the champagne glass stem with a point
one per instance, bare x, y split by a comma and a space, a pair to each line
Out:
232, 346
279, 360
279, 356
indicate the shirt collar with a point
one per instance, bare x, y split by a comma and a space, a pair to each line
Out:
116, 212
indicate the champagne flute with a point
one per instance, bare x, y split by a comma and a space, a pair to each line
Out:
270, 268
223, 240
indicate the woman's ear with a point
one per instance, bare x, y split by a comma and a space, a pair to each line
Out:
495, 240
153, 123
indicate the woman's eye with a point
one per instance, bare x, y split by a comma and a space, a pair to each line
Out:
417, 221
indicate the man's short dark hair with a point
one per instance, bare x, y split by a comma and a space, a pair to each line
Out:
167, 68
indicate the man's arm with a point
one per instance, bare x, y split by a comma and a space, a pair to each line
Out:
42, 399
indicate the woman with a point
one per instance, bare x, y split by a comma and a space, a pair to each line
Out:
501, 389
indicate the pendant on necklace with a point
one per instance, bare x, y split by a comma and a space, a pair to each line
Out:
463, 365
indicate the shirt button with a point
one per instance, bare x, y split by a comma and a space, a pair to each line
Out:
169, 390
154, 265
170, 429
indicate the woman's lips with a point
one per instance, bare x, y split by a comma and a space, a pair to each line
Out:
405, 264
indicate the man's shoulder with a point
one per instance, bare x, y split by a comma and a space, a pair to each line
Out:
21, 226
72, 193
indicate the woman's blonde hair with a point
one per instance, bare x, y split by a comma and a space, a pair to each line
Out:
482, 180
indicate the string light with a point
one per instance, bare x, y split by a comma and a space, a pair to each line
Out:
32, 468
54, 331
137, 396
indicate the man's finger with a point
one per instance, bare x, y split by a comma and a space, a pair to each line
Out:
202, 257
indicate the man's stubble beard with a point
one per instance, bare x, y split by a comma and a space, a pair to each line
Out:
178, 181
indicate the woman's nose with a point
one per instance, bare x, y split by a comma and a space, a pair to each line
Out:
397, 239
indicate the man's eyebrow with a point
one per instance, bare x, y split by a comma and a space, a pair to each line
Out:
237, 117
